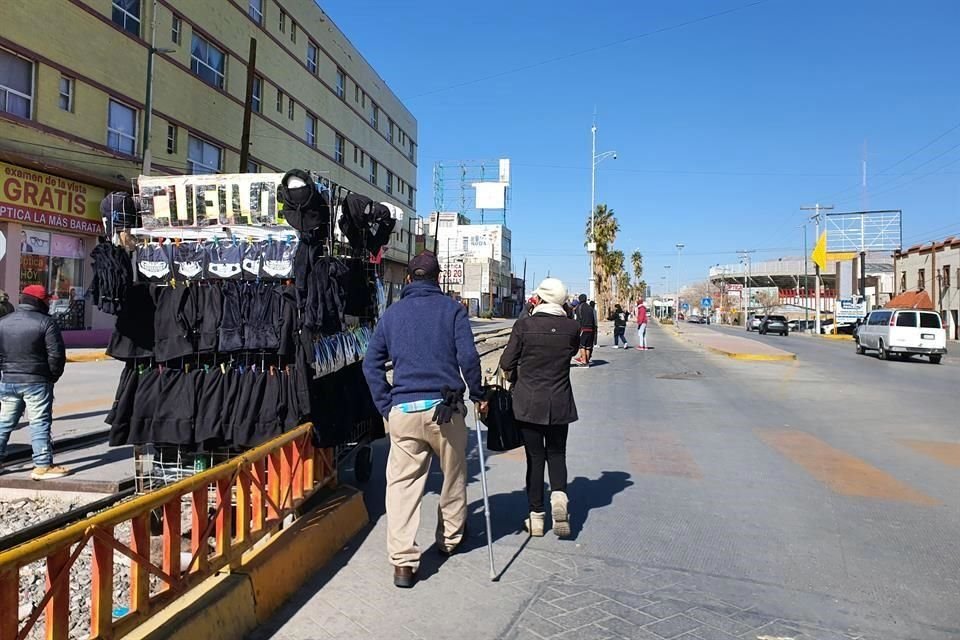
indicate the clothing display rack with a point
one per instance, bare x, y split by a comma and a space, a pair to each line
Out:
234, 334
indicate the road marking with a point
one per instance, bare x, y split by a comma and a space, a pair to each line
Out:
946, 452
660, 453
841, 472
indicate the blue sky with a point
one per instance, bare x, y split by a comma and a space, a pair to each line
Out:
724, 127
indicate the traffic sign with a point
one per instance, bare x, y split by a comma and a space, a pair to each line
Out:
819, 255
685, 306
706, 302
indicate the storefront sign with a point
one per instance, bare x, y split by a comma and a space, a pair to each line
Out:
453, 273
44, 200
210, 200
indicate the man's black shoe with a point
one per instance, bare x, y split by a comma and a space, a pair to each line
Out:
404, 577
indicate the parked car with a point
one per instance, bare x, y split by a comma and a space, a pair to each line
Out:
903, 332
774, 324
753, 322
697, 320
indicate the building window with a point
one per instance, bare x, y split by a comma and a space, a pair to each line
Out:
413, 151
176, 29
356, 93
903, 281
466, 245
257, 97
255, 11
293, 32
341, 82
921, 279
312, 55
945, 283
207, 61
410, 193
283, 22
363, 99
126, 14
291, 108
373, 171
253, 167
389, 181
375, 117
66, 93
171, 138
401, 185
122, 128
338, 145
363, 157
390, 127
310, 130
16, 85
203, 157
279, 101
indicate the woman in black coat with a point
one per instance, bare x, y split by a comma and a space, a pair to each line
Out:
537, 359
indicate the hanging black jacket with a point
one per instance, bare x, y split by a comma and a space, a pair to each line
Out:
539, 351
31, 347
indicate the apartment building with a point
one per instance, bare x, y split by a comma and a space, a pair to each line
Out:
73, 114
935, 269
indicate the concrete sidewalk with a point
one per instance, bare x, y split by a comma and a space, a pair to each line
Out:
730, 346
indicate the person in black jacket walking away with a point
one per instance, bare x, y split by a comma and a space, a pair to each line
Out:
537, 358
587, 317
32, 358
619, 317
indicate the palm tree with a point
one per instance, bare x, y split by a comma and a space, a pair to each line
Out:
636, 259
605, 228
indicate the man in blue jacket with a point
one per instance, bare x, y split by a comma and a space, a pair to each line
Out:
428, 338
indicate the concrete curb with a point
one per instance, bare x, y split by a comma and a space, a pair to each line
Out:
737, 355
230, 606
95, 356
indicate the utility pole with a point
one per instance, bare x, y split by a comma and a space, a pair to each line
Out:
679, 249
666, 287
152, 50
817, 208
806, 282
595, 159
745, 260
248, 106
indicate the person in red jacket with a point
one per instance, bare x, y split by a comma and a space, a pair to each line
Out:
641, 324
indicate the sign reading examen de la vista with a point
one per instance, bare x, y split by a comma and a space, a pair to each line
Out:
209, 200
40, 199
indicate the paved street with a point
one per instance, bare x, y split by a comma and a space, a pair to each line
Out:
712, 498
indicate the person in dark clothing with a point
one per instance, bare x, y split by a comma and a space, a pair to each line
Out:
586, 316
5, 305
32, 358
619, 317
537, 358
427, 336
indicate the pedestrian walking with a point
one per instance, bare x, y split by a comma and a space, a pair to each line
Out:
32, 358
585, 315
6, 306
537, 359
428, 338
620, 317
641, 324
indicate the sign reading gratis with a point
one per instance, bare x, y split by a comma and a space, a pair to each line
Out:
45, 200
210, 200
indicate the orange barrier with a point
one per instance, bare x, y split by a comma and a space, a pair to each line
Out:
253, 494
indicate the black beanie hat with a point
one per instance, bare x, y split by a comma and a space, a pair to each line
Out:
304, 208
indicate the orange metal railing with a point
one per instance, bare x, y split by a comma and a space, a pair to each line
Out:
253, 494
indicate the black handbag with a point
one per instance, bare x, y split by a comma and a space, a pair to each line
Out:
503, 434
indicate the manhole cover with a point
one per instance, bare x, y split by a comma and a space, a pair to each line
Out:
683, 375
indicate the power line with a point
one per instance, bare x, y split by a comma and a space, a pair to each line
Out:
581, 52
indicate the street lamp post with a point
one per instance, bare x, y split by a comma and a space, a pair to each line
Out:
666, 286
595, 159
679, 248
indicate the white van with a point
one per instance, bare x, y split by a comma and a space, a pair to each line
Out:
903, 332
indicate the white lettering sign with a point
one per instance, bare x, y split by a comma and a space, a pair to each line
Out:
210, 200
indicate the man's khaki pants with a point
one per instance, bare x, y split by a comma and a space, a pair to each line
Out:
414, 439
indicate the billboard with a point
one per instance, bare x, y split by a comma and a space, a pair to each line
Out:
49, 201
864, 231
210, 200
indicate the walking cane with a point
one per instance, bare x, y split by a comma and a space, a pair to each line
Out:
486, 498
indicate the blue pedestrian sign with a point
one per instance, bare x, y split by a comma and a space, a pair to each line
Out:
685, 306
706, 302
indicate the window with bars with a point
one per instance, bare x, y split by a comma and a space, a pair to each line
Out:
208, 62
203, 157
121, 128
171, 138
255, 11
176, 29
310, 130
338, 145
257, 98
312, 57
16, 85
66, 93
126, 15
